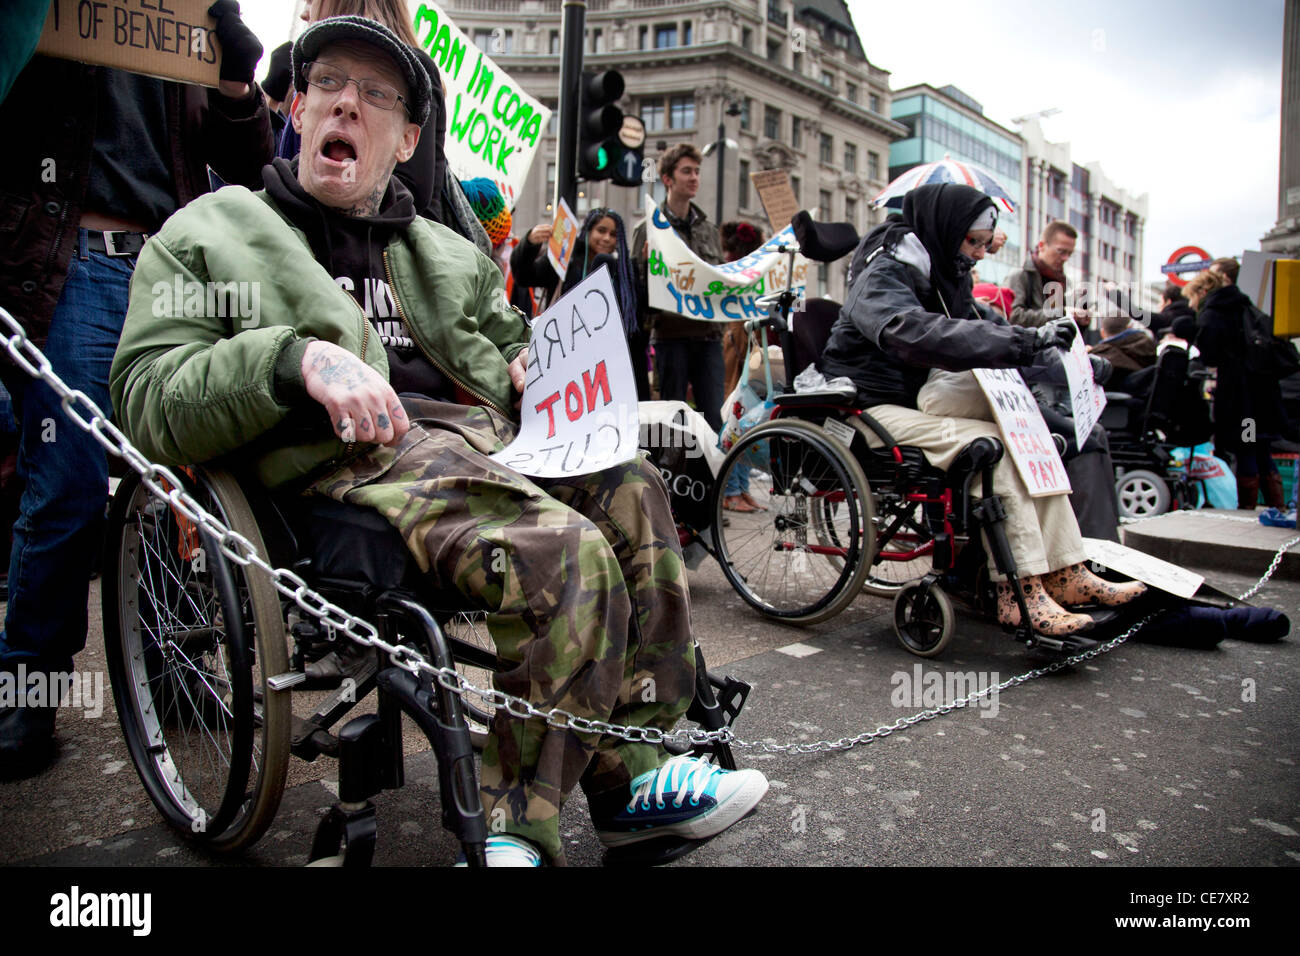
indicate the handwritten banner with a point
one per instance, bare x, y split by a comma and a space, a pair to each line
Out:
493, 126
1087, 399
682, 282
579, 409
1028, 441
1143, 567
171, 39
564, 235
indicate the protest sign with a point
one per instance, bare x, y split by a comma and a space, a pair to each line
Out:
681, 282
1087, 399
1025, 434
170, 39
493, 126
579, 408
564, 234
777, 196
1143, 567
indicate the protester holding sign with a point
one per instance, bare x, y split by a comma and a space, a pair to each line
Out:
910, 310
581, 577
85, 188
688, 353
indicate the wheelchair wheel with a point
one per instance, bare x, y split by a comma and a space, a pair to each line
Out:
803, 558
923, 619
190, 639
1142, 494
468, 635
898, 562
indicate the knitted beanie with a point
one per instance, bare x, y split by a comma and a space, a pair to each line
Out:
489, 206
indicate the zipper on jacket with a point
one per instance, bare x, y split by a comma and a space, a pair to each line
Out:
392, 288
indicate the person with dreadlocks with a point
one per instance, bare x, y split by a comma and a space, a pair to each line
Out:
909, 311
602, 241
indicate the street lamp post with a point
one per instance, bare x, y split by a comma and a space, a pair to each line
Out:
733, 109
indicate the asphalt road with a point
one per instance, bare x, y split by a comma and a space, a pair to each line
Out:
1147, 755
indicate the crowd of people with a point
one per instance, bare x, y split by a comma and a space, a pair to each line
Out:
349, 205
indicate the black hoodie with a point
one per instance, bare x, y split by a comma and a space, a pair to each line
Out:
351, 250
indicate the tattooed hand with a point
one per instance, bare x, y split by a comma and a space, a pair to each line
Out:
361, 405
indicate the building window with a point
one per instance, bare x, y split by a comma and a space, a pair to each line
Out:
742, 195
827, 80
746, 112
850, 158
665, 36
643, 35
686, 33
796, 133
553, 43
771, 122
851, 92
851, 211
824, 277
652, 114
774, 13
597, 41
795, 183
873, 103
550, 184
838, 38
824, 205
747, 38
774, 50
873, 165
681, 112
826, 150
796, 62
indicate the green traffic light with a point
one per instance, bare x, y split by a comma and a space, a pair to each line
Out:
602, 158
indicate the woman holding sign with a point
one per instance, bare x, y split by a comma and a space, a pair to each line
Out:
909, 311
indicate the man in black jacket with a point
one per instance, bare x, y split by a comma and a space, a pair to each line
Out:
104, 157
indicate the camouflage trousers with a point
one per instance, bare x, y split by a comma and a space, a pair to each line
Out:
585, 592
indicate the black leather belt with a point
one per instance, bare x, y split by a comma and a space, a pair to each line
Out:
114, 242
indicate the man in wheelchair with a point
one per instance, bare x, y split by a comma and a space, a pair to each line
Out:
908, 335
383, 369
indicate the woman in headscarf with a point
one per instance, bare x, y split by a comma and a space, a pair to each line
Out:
909, 311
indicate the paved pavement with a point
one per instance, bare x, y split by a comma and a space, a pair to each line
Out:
1147, 755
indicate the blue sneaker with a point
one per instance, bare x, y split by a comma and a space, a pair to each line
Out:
686, 797
506, 850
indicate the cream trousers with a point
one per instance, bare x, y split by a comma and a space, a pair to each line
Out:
952, 412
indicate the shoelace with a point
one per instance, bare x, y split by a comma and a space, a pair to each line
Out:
696, 770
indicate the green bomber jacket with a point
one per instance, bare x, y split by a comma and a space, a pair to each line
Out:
228, 283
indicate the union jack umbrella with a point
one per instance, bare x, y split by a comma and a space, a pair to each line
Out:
945, 170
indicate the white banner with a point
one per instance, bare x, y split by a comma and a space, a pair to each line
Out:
493, 126
1143, 567
1025, 434
682, 282
579, 408
1087, 399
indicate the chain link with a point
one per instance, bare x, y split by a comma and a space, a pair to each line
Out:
165, 485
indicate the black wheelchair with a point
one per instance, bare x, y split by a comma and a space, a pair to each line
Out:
846, 508
218, 678
1163, 409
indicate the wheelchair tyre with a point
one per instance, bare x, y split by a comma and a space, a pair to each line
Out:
923, 619
803, 559
190, 641
1142, 494
470, 628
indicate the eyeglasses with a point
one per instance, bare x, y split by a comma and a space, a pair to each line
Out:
980, 243
331, 79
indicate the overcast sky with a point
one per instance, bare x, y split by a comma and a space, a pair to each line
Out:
1180, 99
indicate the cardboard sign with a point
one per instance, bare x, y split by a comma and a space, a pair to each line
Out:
169, 39
1025, 434
777, 196
564, 235
1086, 399
1142, 567
681, 282
579, 408
494, 128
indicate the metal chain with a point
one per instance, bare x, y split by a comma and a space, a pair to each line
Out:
164, 484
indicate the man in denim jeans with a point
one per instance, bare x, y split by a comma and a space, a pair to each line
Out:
104, 156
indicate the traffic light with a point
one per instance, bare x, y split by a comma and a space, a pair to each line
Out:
599, 121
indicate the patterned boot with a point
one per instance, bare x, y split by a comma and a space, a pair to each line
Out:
1077, 585
1048, 617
